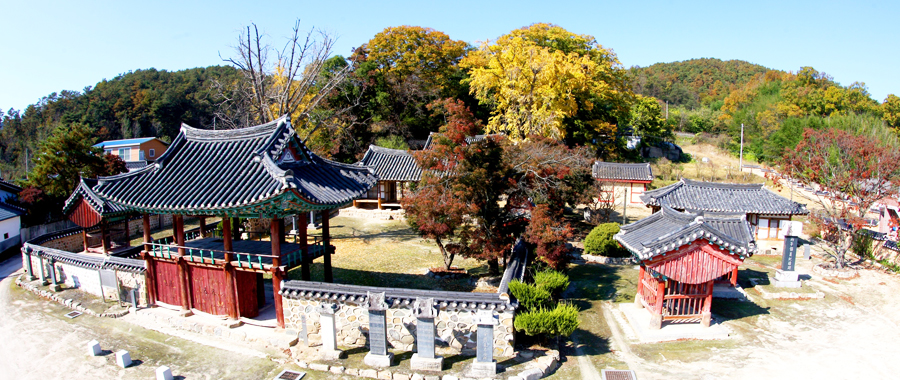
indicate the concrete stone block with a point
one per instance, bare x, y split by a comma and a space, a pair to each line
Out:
318, 367
531, 374
379, 361
369, 373
94, 348
163, 373
449, 377
401, 376
336, 370
418, 363
385, 375
123, 358
483, 369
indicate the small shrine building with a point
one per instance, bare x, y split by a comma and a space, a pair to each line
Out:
263, 172
681, 256
88, 210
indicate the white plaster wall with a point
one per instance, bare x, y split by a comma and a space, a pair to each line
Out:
87, 280
10, 226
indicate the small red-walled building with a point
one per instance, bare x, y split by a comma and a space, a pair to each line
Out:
88, 210
681, 255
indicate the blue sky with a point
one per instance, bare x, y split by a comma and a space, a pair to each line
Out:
51, 46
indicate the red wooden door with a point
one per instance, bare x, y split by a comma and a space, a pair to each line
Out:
167, 281
208, 289
246, 293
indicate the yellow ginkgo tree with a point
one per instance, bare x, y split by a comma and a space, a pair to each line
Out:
544, 80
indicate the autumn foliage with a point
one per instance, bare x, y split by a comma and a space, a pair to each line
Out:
855, 170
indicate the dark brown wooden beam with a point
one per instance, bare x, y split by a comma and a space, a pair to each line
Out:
104, 236
276, 237
326, 243
304, 246
202, 226
150, 277
84, 239
185, 283
231, 298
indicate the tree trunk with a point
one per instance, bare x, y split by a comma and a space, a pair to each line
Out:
493, 267
448, 256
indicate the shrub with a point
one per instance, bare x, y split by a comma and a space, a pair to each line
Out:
530, 297
601, 242
551, 281
561, 321
862, 245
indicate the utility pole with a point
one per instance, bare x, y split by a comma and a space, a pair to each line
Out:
625, 208
741, 168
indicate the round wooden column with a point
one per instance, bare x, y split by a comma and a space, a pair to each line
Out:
326, 244
230, 288
276, 269
185, 283
150, 274
304, 246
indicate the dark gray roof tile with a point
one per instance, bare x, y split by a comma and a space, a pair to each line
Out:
622, 172
722, 197
667, 230
208, 171
392, 164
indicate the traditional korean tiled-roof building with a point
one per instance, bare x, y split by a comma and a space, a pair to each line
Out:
621, 179
768, 213
395, 169
87, 209
681, 255
264, 171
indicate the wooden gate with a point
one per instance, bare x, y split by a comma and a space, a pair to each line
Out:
246, 293
167, 282
208, 289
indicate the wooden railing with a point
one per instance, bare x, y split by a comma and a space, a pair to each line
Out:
208, 256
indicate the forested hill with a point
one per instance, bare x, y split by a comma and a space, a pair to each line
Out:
140, 103
693, 83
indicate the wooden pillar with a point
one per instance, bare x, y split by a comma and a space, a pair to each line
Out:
202, 226
656, 313
326, 244
734, 276
379, 184
235, 229
150, 274
104, 236
304, 246
185, 281
84, 239
276, 268
640, 288
706, 317
231, 303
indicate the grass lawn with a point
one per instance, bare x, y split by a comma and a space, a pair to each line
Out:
387, 253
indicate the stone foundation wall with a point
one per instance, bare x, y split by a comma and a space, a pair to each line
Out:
455, 328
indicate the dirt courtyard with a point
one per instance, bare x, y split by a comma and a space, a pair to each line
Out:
851, 333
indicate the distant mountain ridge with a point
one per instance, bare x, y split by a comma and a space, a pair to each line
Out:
694, 83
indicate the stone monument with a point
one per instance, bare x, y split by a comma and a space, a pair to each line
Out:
424, 359
378, 355
787, 277
484, 364
329, 350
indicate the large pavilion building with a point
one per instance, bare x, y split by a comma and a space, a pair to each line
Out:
769, 214
681, 256
263, 172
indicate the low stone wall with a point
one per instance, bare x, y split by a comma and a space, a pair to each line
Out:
70, 242
354, 212
454, 322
